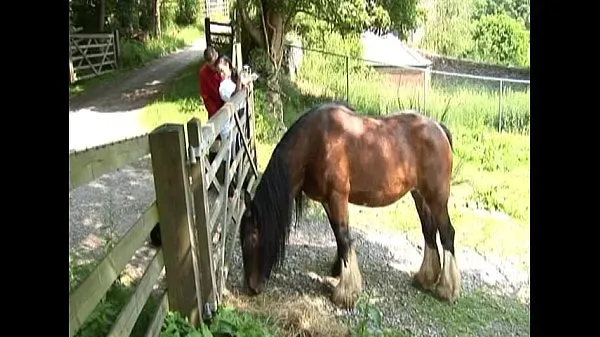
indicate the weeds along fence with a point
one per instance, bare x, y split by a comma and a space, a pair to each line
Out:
197, 229
377, 88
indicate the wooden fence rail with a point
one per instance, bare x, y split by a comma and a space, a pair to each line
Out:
92, 55
198, 231
88, 165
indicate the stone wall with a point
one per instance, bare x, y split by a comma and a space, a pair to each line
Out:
455, 65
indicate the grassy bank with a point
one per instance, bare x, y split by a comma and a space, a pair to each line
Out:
135, 53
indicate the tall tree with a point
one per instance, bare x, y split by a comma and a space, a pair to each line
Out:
101, 15
517, 9
267, 22
156, 18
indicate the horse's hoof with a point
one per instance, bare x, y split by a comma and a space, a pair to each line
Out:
446, 292
448, 287
344, 298
422, 284
415, 282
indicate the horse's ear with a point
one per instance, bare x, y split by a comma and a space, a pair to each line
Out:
247, 200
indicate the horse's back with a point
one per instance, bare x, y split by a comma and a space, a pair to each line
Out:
378, 159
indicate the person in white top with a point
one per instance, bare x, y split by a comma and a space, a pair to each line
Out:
231, 84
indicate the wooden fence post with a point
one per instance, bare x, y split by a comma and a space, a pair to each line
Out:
117, 47
72, 77
171, 182
207, 30
200, 196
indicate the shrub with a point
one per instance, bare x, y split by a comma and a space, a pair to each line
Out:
448, 27
187, 12
501, 39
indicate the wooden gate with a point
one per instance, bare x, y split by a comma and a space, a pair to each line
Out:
220, 35
218, 201
92, 55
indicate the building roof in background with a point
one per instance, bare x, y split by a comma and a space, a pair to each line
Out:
389, 50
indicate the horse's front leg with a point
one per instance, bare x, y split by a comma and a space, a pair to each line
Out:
345, 294
336, 268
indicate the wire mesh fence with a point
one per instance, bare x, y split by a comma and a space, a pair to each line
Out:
378, 89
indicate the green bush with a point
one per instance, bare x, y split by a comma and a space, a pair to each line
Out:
516, 9
187, 12
311, 30
501, 39
448, 27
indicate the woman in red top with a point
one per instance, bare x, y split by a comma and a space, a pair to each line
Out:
209, 79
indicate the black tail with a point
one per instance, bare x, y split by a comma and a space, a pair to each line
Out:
448, 134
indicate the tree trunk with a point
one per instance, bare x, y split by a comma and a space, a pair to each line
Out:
268, 34
275, 31
101, 15
156, 18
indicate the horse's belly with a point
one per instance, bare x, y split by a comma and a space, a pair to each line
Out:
380, 198
379, 191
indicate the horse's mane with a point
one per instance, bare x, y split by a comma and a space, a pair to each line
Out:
273, 200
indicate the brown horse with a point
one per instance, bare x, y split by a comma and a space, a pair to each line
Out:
334, 156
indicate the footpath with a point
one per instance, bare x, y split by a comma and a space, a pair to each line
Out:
110, 112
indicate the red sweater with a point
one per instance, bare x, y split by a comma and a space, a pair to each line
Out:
208, 83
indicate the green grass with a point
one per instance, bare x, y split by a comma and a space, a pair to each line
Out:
228, 322
135, 54
473, 103
179, 101
475, 314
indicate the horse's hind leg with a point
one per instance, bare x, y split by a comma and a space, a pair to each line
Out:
448, 287
427, 276
349, 287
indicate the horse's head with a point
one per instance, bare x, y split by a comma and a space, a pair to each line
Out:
251, 248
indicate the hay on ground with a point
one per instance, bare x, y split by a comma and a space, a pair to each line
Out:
297, 316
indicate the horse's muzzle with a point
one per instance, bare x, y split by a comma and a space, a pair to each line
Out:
256, 287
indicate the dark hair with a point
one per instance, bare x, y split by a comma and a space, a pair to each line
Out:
210, 54
234, 73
